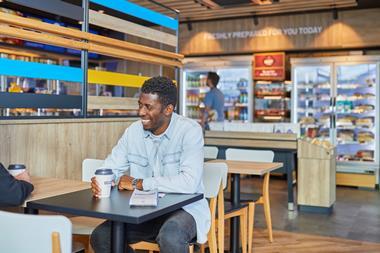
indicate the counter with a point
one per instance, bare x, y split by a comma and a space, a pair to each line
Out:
284, 146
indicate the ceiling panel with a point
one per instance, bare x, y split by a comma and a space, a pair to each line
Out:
192, 10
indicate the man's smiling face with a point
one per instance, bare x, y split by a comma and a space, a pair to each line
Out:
154, 116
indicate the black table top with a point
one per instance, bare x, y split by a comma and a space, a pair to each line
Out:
114, 208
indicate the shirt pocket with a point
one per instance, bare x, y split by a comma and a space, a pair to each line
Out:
136, 160
171, 163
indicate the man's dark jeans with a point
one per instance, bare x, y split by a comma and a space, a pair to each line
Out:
172, 232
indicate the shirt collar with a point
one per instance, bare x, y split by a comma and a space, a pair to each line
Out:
169, 131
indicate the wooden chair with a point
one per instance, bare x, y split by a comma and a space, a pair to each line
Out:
35, 233
214, 180
84, 226
263, 199
210, 152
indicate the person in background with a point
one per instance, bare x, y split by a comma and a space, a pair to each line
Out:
162, 151
214, 101
14, 190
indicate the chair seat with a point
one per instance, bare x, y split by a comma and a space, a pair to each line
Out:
229, 207
244, 197
85, 225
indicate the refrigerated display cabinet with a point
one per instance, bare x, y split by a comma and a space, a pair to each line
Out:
235, 83
337, 99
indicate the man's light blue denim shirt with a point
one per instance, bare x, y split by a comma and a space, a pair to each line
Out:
181, 158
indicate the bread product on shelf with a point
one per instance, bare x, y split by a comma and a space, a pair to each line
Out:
307, 120
363, 108
346, 121
366, 137
369, 96
357, 96
345, 135
365, 122
325, 120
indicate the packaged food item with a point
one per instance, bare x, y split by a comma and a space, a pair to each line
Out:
365, 155
365, 137
363, 108
307, 120
346, 121
365, 122
325, 119
369, 96
327, 144
345, 135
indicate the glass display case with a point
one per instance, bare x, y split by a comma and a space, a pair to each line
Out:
272, 101
234, 84
313, 92
355, 112
337, 99
196, 90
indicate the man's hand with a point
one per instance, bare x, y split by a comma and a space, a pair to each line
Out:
95, 187
24, 176
125, 183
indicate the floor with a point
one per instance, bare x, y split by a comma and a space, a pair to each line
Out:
356, 214
289, 242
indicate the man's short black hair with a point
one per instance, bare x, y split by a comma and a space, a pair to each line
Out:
163, 87
214, 77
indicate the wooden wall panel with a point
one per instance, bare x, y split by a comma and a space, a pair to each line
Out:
57, 149
353, 29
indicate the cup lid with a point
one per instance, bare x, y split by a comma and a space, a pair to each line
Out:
16, 167
103, 172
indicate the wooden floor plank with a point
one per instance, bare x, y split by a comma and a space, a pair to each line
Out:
289, 242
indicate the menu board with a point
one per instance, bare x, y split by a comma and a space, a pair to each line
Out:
269, 66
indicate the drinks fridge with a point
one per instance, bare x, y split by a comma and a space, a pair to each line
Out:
235, 83
337, 99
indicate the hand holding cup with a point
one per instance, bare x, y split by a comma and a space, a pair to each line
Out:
102, 182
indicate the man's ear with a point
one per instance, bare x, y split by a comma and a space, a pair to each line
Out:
169, 109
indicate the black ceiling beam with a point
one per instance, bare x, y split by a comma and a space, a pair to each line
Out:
56, 7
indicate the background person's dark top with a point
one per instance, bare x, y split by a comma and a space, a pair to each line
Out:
13, 192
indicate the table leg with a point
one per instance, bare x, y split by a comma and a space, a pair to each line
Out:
118, 237
28, 210
235, 198
289, 176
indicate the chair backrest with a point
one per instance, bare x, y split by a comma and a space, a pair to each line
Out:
210, 152
214, 174
89, 166
33, 233
249, 155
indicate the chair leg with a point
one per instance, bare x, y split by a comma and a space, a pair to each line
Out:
243, 231
191, 248
267, 207
251, 222
202, 250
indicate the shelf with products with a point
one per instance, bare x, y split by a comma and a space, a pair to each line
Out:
355, 109
36, 84
272, 101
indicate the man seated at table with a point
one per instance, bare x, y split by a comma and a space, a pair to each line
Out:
14, 190
162, 151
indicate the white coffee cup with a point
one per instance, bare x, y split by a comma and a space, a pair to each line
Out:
16, 169
104, 177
